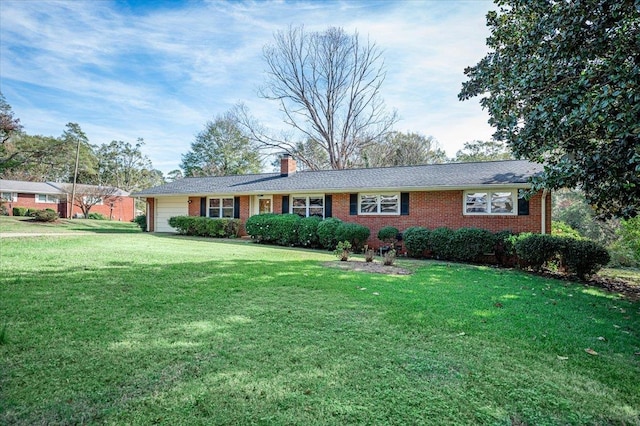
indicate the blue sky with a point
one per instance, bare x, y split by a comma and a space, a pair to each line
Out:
159, 70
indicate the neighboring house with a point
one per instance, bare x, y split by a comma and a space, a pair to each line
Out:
483, 195
111, 203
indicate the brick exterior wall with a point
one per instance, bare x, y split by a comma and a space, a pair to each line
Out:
123, 207
194, 206
444, 208
431, 210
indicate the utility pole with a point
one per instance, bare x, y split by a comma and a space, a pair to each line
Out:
75, 179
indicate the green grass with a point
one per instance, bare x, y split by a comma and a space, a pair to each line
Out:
142, 329
13, 224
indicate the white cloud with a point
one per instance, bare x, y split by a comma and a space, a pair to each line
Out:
160, 73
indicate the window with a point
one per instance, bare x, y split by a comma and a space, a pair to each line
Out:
46, 198
379, 204
9, 196
307, 206
92, 200
499, 202
221, 207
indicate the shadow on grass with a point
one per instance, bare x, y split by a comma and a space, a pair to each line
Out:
282, 341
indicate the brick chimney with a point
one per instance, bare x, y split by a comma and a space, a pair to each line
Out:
287, 165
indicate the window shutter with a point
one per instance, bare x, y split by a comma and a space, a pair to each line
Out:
203, 206
404, 204
328, 199
285, 204
236, 207
523, 207
353, 204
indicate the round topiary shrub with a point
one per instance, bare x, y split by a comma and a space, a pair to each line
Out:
388, 235
470, 244
355, 233
583, 257
535, 250
45, 216
327, 233
440, 243
416, 240
308, 231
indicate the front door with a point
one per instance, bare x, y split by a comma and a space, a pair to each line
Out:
264, 205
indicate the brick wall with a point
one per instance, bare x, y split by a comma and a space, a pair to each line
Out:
194, 206
443, 208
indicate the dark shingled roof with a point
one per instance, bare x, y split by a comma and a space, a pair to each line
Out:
428, 177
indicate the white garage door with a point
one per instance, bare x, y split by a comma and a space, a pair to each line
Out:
167, 207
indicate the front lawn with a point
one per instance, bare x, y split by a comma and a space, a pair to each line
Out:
19, 224
143, 329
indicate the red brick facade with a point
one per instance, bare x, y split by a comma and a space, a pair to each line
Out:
123, 208
430, 209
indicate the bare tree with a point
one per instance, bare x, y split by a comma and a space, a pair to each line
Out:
88, 196
403, 149
327, 85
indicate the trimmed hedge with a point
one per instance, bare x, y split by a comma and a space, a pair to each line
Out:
205, 226
47, 215
271, 228
577, 256
388, 235
535, 250
308, 231
470, 244
20, 211
583, 257
355, 233
327, 233
440, 242
416, 240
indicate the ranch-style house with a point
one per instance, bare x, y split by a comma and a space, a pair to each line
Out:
484, 195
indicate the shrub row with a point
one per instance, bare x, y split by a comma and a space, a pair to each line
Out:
39, 215
24, 211
575, 256
205, 226
292, 230
464, 244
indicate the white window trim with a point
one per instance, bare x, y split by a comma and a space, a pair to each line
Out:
220, 216
49, 199
378, 197
514, 197
307, 204
13, 199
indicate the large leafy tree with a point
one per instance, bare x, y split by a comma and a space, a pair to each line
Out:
327, 85
221, 149
9, 125
123, 165
483, 151
562, 86
403, 149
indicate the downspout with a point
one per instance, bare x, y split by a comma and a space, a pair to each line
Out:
544, 212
